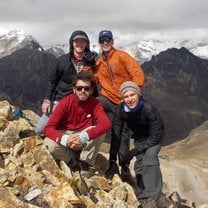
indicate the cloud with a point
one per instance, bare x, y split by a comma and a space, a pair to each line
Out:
52, 21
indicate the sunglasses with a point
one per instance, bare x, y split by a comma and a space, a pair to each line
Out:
86, 88
105, 39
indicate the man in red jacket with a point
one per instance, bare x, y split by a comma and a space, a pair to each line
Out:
78, 124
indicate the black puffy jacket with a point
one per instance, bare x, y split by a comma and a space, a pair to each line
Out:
146, 126
63, 74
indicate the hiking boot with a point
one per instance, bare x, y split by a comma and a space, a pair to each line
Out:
73, 165
125, 172
126, 175
85, 169
148, 203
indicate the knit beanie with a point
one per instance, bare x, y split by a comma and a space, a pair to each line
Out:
129, 85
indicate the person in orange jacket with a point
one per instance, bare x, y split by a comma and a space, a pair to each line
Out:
112, 68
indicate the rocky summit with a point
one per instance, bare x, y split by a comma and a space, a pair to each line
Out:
31, 178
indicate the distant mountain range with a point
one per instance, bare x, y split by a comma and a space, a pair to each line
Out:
142, 50
176, 81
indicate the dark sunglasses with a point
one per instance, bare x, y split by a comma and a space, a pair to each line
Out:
105, 39
86, 88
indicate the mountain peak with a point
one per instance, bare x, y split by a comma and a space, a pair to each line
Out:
16, 33
143, 50
16, 39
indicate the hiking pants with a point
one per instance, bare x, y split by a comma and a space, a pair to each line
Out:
148, 173
88, 151
109, 108
43, 121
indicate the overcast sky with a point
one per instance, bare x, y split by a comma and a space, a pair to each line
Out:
53, 21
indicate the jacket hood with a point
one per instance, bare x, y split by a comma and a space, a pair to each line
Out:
75, 33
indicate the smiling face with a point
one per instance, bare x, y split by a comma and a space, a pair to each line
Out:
83, 90
106, 44
130, 98
79, 45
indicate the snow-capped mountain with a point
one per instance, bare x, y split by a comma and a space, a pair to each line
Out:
15, 40
142, 50
57, 50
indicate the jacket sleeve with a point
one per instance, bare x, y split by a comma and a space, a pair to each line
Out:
155, 129
102, 122
56, 117
134, 69
117, 128
54, 79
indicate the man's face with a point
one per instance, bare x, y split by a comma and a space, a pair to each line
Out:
106, 44
131, 99
79, 45
83, 90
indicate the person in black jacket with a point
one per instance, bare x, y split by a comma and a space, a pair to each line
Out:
61, 80
146, 125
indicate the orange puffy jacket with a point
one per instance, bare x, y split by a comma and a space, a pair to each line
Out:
111, 71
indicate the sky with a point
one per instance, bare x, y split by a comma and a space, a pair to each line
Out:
53, 21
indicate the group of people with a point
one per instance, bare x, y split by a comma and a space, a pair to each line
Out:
90, 95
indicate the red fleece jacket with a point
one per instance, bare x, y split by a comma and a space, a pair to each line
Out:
70, 114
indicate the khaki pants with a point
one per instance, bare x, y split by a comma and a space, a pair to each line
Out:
89, 151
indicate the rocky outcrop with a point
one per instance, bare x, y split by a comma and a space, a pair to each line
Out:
30, 177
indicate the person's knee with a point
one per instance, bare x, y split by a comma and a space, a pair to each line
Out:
150, 160
151, 156
39, 129
41, 124
50, 145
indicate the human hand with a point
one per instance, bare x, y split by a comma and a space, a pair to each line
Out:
45, 107
89, 58
113, 168
89, 55
129, 155
74, 142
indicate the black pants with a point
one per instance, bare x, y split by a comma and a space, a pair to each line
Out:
109, 108
148, 173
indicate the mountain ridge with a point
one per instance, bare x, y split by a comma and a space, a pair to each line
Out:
176, 82
142, 50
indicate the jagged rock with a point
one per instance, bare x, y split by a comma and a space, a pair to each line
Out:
30, 177
65, 169
32, 194
5, 109
31, 117
9, 200
63, 193
204, 206
3, 123
14, 131
125, 193
45, 161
